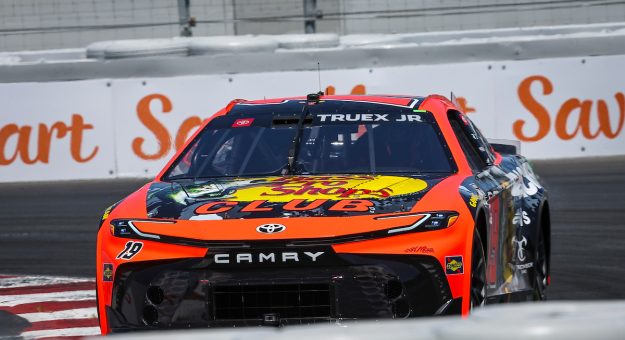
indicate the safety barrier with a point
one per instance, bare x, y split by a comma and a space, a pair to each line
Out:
549, 321
125, 117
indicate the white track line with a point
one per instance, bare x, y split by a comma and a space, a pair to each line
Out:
80, 313
28, 281
76, 295
81, 331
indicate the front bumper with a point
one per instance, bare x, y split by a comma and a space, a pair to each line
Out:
201, 293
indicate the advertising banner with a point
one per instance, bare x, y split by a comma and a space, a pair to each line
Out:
563, 108
56, 131
557, 108
157, 115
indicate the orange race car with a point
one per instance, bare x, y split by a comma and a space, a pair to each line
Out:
325, 209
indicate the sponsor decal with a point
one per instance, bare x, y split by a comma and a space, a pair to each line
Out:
321, 195
420, 250
107, 272
521, 218
368, 117
270, 228
131, 249
218, 207
524, 266
523, 185
519, 246
454, 265
107, 212
286, 189
243, 122
267, 257
473, 200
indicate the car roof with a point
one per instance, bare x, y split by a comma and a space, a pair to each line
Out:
290, 105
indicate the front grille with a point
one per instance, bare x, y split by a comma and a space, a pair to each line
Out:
253, 302
193, 293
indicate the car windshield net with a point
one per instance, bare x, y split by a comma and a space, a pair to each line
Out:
330, 144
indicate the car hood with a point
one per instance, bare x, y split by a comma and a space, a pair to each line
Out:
286, 196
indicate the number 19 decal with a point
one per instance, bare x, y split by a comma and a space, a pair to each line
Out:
132, 249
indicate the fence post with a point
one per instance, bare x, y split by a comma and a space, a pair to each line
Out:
185, 19
310, 14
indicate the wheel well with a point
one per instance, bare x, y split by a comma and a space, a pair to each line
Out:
545, 228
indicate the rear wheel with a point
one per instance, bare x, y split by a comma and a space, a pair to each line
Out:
478, 272
540, 267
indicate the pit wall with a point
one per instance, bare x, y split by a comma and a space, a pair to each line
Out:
109, 128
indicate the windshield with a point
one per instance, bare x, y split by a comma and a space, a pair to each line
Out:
260, 146
371, 148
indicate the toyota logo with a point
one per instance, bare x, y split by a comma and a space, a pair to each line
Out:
271, 228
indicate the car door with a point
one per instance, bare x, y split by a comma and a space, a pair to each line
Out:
494, 188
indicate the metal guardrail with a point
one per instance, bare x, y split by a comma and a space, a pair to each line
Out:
550, 320
359, 51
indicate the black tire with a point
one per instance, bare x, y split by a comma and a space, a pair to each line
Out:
478, 272
540, 267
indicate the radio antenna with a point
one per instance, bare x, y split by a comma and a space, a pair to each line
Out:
319, 76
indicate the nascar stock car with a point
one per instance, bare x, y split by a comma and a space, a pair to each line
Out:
325, 209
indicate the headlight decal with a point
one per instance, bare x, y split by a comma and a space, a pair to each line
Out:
127, 228
424, 218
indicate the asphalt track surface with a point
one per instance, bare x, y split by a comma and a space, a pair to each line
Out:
50, 228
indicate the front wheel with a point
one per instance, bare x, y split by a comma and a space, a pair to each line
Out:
478, 272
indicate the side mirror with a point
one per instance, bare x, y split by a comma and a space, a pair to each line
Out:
506, 146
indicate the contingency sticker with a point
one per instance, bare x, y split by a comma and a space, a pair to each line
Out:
107, 272
243, 122
454, 265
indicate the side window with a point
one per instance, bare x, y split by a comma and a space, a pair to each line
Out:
485, 149
465, 137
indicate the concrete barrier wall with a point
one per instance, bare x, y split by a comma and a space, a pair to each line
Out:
551, 320
92, 118
105, 128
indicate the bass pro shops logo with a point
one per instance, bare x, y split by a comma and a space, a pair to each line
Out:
454, 265
270, 228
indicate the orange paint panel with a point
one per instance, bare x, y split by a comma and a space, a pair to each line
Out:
444, 242
108, 249
444, 196
133, 206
